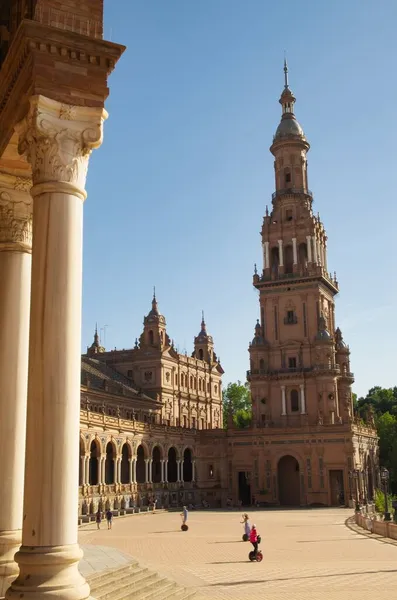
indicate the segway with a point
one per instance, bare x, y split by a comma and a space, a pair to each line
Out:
245, 537
184, 527
259, 555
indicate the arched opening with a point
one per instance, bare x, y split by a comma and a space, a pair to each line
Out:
261, 365
274, 260
201, 354
125, 464
172, 466
302, 255
81, 459
370, 471
288, 259
294, 396
288, 481
151, 338
95, 453
140, 465
109, 463
156, 465
187, 465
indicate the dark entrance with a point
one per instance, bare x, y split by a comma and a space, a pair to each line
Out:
288, 481
244, 489
336, 487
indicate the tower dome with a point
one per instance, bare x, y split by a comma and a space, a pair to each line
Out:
289, 126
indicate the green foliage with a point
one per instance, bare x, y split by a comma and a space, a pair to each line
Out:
237, 403
380, 501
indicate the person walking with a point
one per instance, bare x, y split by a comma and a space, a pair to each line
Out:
109, 518
98, 519
154, 505
184, 515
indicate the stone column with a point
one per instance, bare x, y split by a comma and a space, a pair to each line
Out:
283, 401
166, 471
101, 467
193, 470
87, 470
266, 255
58, 140
118, 470
130, 469
82, 462
15, 270
181, 470
134, 471
147, 470
162, 470
303, 400
315, 259
309, 248
294, 251
280, 253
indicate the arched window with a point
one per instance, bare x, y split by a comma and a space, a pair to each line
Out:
172, 467
294, 401
289, 259
261, 365
191, 382
156, 465
151, 338
95, 453
287, 175
187, 470
125, 464
302, 255
109, 464
201, 354
140, 465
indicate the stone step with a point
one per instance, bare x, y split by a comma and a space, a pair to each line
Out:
134, 584
155, 589
112, 574
108, 584
168, 590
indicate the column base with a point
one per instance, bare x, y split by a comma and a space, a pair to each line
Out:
10, 542
49, 572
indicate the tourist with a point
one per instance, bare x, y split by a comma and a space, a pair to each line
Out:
109, 518
254, 539
184, 515
247, 526
98, 519
154, 505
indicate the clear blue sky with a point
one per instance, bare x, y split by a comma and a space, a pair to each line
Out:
177, 192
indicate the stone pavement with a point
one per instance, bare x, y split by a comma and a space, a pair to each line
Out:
307, 554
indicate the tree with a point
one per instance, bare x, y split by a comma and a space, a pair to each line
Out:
237, 401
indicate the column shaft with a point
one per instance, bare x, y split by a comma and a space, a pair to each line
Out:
15, 277
294, 251
87, 470
283, 401
193, 470
130, 467
134, 471
58, 142
266, 257
303, 400
166, 471
280, 253
309, 248
146, 470
315, 258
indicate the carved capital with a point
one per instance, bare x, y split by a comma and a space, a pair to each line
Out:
58, 139
16, 208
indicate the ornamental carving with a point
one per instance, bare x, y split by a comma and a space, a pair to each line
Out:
15, 213
58, 139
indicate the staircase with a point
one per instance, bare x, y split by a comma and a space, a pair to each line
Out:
133, 582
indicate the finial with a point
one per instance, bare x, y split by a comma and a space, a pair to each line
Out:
285, 72
267, 210
96, 337
255, 269
154, 292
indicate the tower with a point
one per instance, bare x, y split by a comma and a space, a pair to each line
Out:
299, 365
203, 344
154, 333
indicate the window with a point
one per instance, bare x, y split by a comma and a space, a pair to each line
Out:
292, 362
129, 373
191, 382
202, 424
194, 422
290, 318
288, 178
208, 387
201, 354
261, 365
210, 471
168, 423
288, 214
184, 420
294, 401
216, 389
151, 338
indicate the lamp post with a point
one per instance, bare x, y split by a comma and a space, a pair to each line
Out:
384, 475
355, 477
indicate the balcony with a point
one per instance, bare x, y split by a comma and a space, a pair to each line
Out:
291, 320
303, 272
331, 369
289, 191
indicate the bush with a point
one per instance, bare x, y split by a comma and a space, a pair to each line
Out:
380, 501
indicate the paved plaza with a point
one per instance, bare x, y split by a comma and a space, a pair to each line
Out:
308, 554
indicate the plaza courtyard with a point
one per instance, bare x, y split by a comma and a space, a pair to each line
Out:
308, 554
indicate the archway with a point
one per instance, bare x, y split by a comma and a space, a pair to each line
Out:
274, 260
156, 465
95, 453
288, 481
125, 464
289, 259
302, 255
140, 465
109, 463
172, 466
187, 465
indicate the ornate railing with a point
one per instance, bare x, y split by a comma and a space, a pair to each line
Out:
287, 191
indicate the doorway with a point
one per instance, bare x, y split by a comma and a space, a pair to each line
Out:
336, 487
244, 489
288, 481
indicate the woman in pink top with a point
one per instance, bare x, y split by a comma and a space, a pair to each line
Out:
254, 539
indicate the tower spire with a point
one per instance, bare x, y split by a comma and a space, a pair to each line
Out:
286, 86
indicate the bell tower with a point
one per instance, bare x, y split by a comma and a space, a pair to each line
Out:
299, 366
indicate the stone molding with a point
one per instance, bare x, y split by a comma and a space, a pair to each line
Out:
16, 207
57, 139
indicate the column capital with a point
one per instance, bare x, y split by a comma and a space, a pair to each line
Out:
58, 139
16, 207
302, 386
